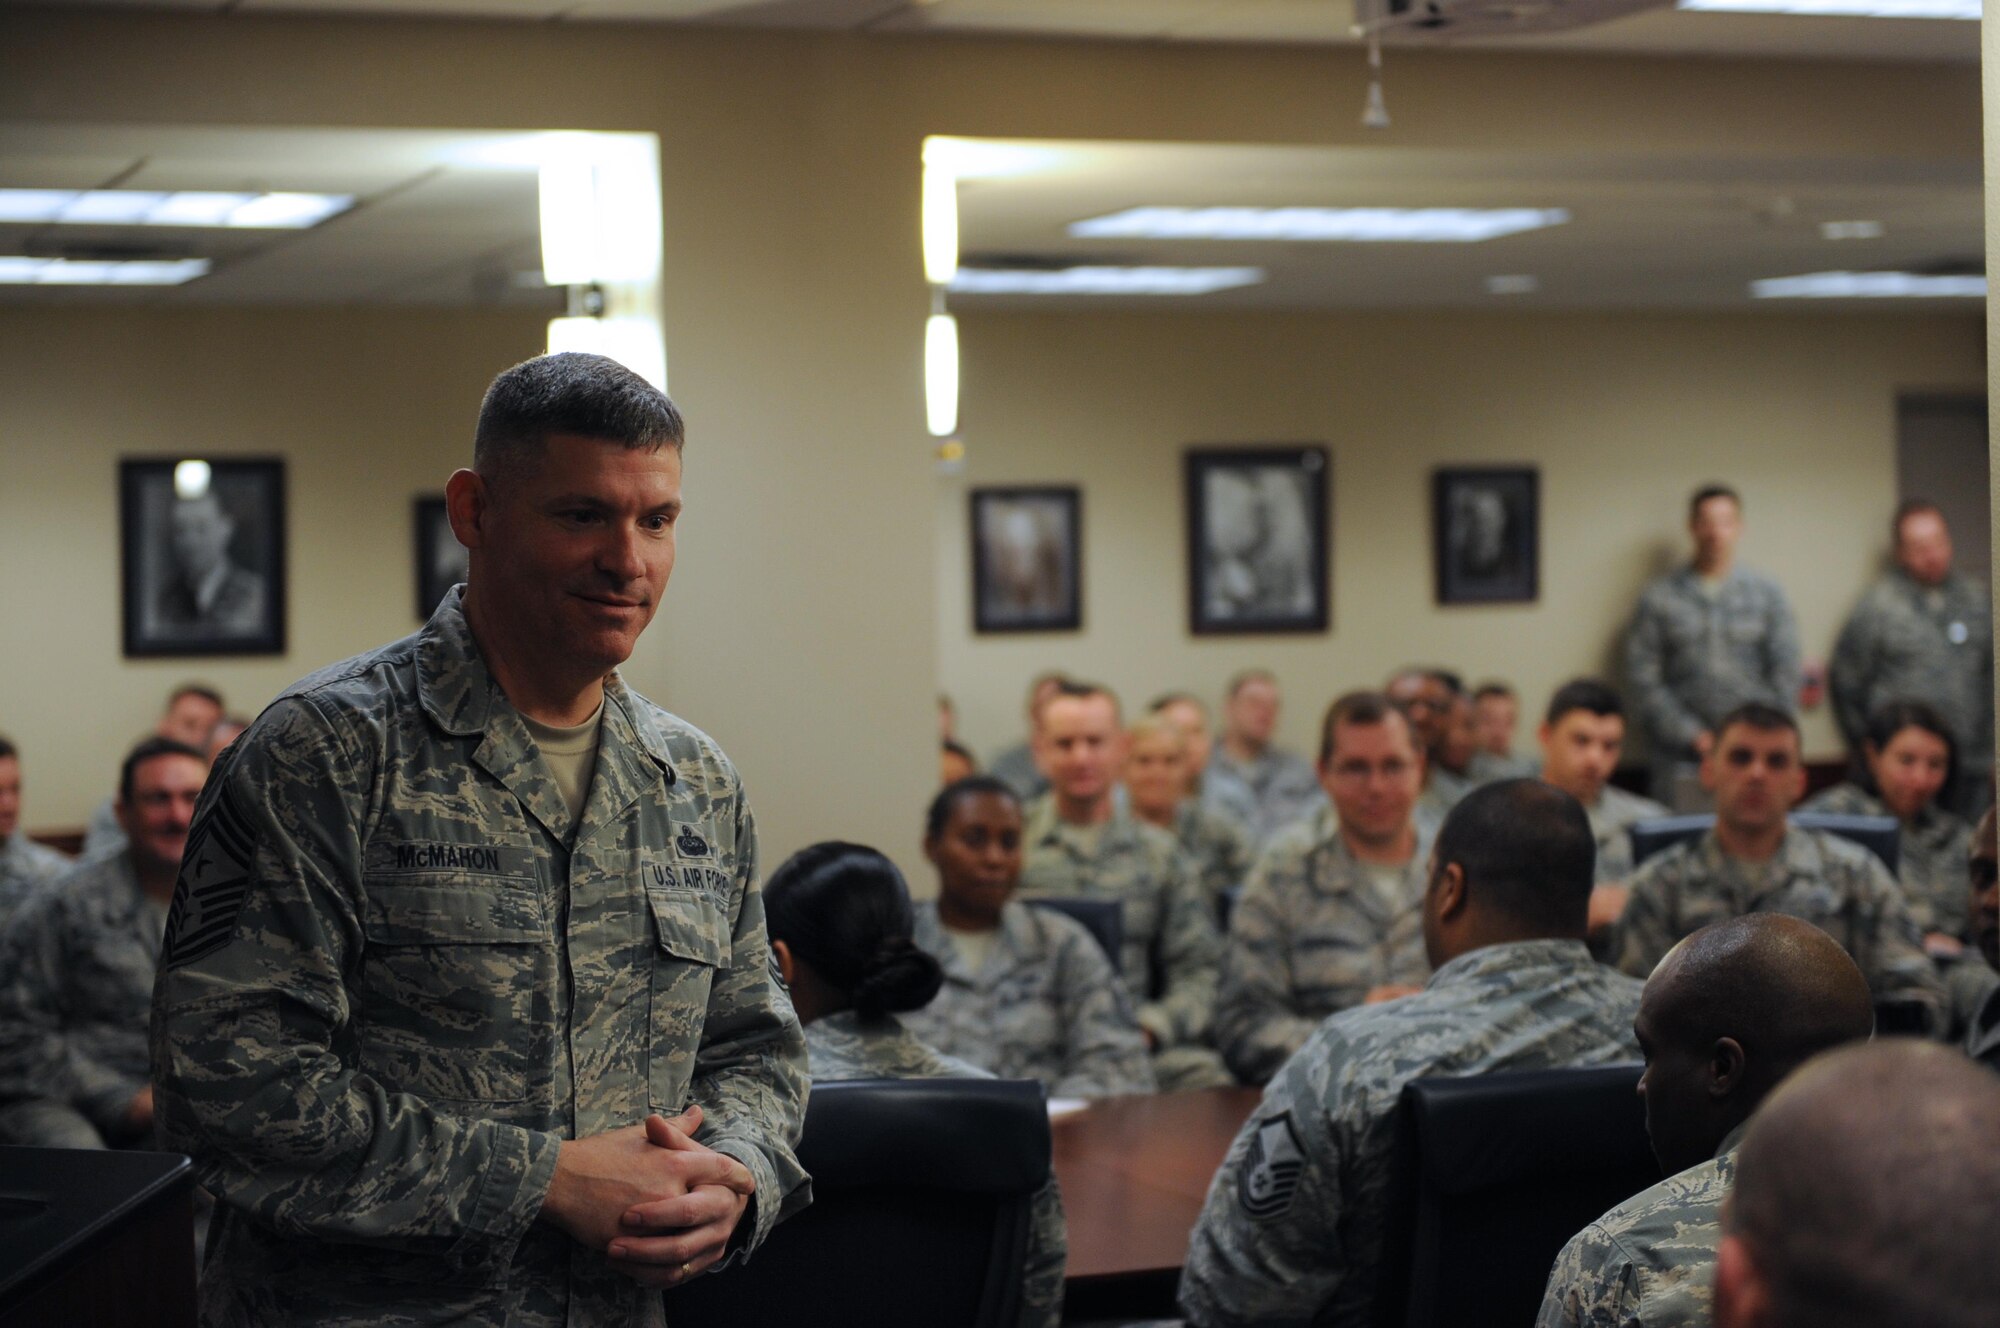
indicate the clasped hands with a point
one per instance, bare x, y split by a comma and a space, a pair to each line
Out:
659, 1205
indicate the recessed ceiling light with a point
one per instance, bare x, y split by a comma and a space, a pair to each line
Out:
1964, 9
1103, 280
1513, 284
1363, 225
17, 270
1868, 286
188, 207
1851, 230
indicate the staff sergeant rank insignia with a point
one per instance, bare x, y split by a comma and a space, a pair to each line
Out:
1271, 1174
690, 844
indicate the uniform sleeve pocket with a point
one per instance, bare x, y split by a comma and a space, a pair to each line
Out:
691, 926
454, 912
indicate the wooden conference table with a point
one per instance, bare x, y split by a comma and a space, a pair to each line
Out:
1134, 1172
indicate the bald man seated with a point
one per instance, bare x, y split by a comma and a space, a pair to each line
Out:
1867, 1196
1726, 1016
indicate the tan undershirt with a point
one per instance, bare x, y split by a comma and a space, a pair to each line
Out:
1388, 881
974, 946
572, 758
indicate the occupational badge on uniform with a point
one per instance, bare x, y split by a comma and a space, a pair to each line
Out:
1271, 1170
690, 844
214, 880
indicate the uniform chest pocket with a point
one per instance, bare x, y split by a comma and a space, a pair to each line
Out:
691, 948
455, 997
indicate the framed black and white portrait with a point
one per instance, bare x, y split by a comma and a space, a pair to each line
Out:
1257, 539
203, 556
441, 559
1027, 560
1486, 534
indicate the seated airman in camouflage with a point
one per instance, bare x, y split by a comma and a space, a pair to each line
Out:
1448, 772
1218, 792
1028, 993
1922, 631
1079, 844
1279, 783
1726, 1016
1016, 765
78, 963
1910, 756
1582, 737
25, 866
1497, 713
1864, 1196
1754, 861
1156, 790
1293, 1228
840, 922
1333, 913
1981, 1021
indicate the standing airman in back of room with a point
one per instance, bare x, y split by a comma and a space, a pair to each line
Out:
1704, 640
1333, 914
1924, 632
464, 920
25, 866
1293, 1229
1728, 1014
1078, 843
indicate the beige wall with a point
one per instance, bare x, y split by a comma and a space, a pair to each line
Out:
1624, 416
804, 631
329, 391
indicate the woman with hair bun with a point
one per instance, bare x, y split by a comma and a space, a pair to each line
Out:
839, 917
1027, 992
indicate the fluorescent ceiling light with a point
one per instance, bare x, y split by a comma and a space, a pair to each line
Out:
989, 159
1513, 284
941, 375
1104, 280
22, 271
1409, 225
1851, 230
188, 207
1966, 9
1867, 286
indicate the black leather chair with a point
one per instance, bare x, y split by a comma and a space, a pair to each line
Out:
1494, 1174
921, 1195
1880, 835
1103, 918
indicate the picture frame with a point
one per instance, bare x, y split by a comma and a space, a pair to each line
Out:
440, 560
1027, 559
1257, 546
202, 566
1486, 534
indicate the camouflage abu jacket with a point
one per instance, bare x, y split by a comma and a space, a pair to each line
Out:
396, 977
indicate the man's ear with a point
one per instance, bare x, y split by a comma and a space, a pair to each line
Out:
466, 499
1725, 1067
1448, 886
782, 951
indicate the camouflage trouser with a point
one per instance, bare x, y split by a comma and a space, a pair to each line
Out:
1182, 1069
44, 1123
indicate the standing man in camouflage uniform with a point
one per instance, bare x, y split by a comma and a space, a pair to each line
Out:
1281, 784
1703, 641
462, 921
1728, 1014
1922, 633
1293, 1229
1333, 913
77, 966
1080, 845
1754, 861
25, 866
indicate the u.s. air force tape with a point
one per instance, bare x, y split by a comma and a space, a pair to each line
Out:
1272, 1169
214, 879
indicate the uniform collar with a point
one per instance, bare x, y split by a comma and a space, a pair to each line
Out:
1510, 958
1733, 1140
1797, 855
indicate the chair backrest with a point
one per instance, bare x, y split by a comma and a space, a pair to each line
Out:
920, 1212
1880, 835
1494, 1174
1103, 918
